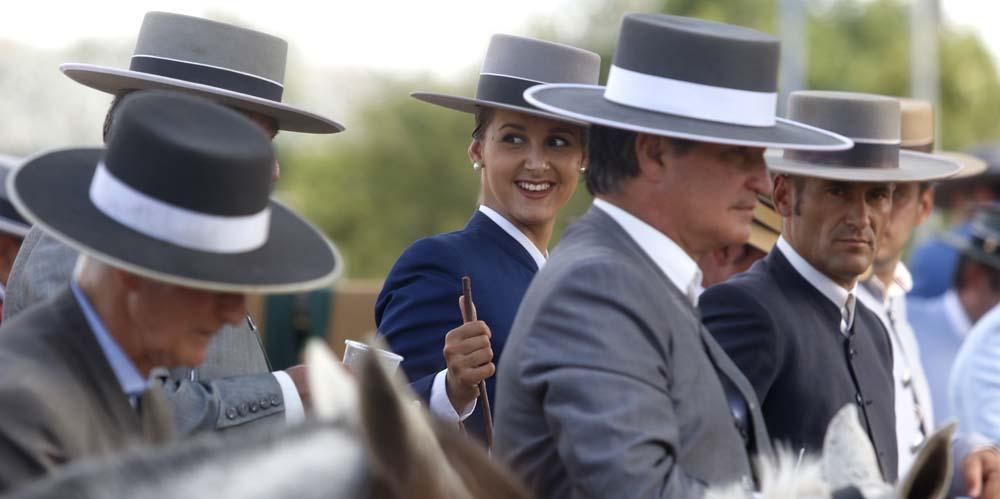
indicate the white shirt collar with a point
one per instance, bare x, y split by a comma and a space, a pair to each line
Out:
678, 266
833, 291
902, 283
516, 233
959, 320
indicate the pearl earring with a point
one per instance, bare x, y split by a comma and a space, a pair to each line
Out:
583, 169
476, 166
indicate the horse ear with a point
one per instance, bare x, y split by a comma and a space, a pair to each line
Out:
333, 390
848, 455
400, 435
930, 475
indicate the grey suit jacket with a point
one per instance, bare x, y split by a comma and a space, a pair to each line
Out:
59, 399
217, 395
610, 386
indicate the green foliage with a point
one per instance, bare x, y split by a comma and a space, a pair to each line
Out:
401, 171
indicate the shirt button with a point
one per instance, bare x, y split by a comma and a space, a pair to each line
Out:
231, 413
254, 407
275, 401
264, 403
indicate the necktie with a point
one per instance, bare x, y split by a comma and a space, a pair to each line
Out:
847, 316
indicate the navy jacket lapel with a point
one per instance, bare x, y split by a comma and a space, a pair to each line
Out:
482, 223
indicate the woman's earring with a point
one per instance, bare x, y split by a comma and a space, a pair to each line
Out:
583, 169
476, 166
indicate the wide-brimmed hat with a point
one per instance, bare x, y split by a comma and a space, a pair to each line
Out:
983, 240
181, 195
689, 79
11, 222
231, 65
872, 122
515, 63
766, 226
917, 134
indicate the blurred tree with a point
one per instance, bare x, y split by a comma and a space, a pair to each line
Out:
401, 172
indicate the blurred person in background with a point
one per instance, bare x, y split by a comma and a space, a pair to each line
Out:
529, 162
884, 290
242, 69
943, 323
933, 261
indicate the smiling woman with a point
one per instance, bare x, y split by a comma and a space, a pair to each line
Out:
530, 163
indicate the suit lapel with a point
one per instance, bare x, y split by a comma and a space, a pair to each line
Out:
80, 345
482, 223
723, 364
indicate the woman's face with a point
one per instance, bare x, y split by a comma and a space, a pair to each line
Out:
531, 165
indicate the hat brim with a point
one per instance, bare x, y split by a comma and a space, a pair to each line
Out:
971, 165
587, 103
966, 248
762, 237
52, 191
114, 80
913, 167
470, 105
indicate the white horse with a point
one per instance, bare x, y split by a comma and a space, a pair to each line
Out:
848, 469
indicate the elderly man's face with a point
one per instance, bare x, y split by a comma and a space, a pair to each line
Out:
834, 225
175, 325
714, 189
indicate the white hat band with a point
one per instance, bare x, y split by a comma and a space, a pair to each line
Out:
691, 100
174, 224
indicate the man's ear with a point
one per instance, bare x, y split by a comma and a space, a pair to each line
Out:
783, 195
650, 152
926, 204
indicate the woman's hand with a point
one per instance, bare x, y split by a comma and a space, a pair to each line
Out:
469, 357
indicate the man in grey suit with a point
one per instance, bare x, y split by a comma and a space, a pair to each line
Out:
242, 69
175, 226
609, 385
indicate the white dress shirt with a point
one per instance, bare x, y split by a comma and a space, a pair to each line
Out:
842, 297
914, 410
440, 404
678, 266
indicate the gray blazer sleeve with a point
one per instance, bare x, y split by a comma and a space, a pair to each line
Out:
605, 376
230, 404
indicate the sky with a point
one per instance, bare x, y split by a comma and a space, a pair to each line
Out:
347, 44
436, 36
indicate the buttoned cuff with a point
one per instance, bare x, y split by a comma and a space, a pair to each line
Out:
294, 411
441, 404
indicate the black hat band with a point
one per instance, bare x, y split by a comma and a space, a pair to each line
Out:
504, 89
862, 155
204, 74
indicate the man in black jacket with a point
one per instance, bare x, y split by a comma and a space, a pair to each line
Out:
791, 322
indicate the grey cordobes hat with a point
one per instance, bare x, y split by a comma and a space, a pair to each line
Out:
181, 194
873, 123
983, 241
234, 66
11, 222
689, 79
514, 64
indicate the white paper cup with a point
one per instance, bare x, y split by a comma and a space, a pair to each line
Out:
356, 350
